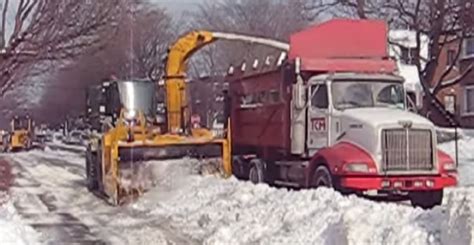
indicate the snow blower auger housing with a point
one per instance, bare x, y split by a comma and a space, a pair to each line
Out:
119, 161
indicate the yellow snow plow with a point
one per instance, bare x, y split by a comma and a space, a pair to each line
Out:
20, 136
119, 155
119, 160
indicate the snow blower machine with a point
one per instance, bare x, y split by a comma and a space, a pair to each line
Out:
21, 135
128, 134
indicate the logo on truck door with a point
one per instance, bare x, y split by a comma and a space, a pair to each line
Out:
318, 124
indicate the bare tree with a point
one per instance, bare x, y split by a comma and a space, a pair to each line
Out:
442, 21
265, 18
47, 31
149, 34
275, 19
135, 51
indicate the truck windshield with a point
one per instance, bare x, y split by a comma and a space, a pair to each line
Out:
359, 94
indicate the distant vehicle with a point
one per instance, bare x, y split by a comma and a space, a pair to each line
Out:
43, 134
74, 138
21, 134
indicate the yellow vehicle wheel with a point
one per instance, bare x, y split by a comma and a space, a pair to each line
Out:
91, 171
5, 144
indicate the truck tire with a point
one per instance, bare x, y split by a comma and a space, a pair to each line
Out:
91, 171
28, 144
426, 199
257, 171
322, 177
5, 143
238, 167
8, 144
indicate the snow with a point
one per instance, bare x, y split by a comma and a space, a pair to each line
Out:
466, 156
214, 211
12, 229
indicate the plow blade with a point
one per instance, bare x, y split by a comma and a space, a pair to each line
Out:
136, 164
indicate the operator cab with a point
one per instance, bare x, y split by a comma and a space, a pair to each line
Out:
21, 123
106, 101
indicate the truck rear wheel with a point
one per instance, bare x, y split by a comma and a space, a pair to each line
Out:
426, 199
91, 171
322, 177
256, 173
238, 167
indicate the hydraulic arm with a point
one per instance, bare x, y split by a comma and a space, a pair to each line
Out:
176, 67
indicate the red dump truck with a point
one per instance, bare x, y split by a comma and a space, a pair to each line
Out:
334, 113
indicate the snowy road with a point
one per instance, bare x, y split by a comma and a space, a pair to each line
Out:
49, 195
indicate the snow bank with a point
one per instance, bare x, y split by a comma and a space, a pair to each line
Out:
466, 158
214, 211
185, 207
12, 230
457, 226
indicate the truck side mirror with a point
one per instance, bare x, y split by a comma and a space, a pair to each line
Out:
299, 94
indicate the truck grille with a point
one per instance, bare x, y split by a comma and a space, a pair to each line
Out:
407, 150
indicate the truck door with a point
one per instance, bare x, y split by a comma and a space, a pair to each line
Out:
318, 118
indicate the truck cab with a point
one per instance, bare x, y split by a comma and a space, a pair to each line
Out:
337, 118
368, 114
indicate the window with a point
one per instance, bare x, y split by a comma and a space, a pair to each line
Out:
451, 57
469, 47
408, 55
258, 99
390, 94
320, 96
469, 100
358, 94
411, 101
274, 96
449, 103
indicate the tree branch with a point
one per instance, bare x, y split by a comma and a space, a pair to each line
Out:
3, 24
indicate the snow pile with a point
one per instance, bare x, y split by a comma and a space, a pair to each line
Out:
214, 211
186, 208
12, 230
217, 212
466, 158
457, 226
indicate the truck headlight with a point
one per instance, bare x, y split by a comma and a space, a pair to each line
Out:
449, 167
357, 167
130, 114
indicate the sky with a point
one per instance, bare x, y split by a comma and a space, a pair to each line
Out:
176, 7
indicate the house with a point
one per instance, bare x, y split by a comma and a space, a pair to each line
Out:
466, 64
449, 99
446, 106
403, 47
205, 98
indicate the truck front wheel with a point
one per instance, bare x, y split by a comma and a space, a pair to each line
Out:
256, 173
322, 177
426, 199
